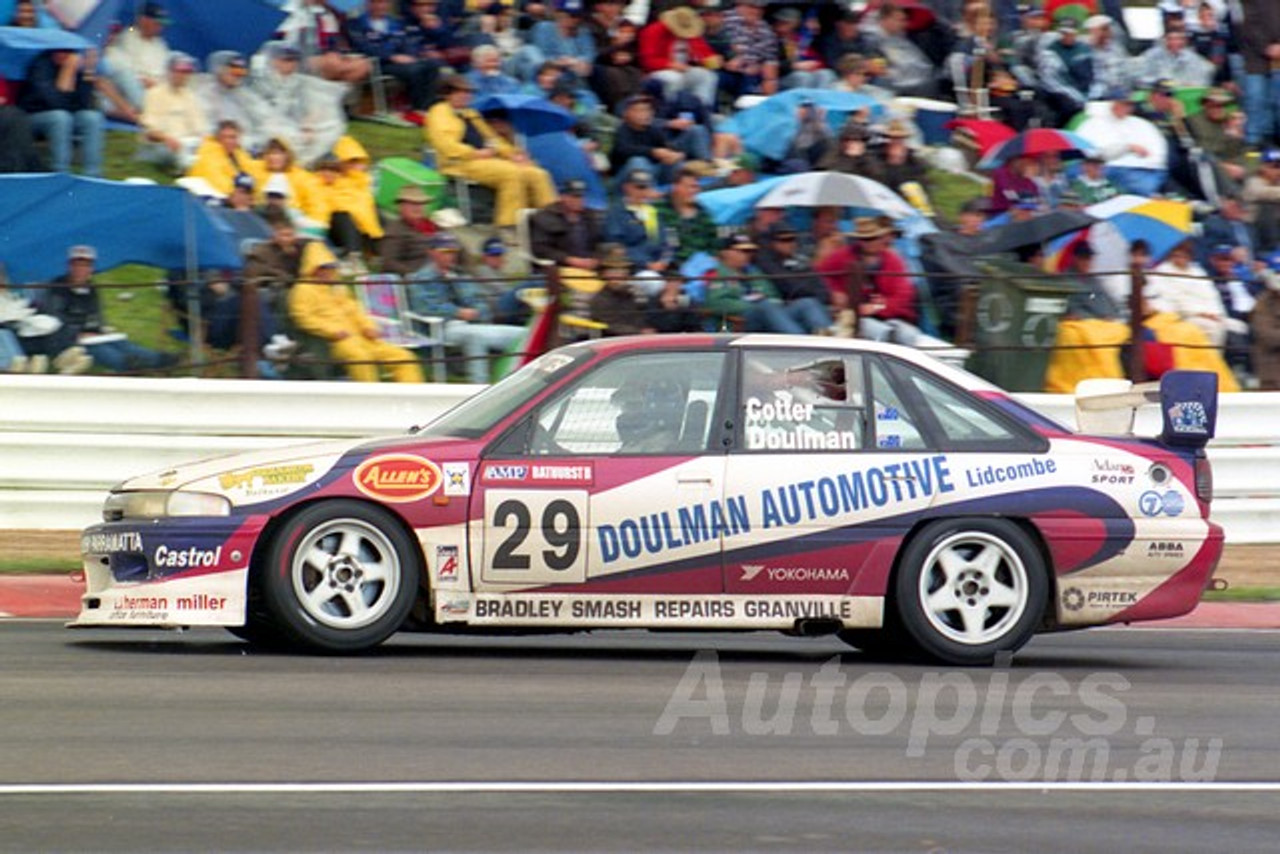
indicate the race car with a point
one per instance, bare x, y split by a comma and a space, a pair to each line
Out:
695, 482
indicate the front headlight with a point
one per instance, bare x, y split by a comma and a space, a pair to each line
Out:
156, 505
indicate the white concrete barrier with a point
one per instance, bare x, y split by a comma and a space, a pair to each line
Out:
64, 441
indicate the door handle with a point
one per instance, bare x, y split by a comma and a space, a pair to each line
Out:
694, 478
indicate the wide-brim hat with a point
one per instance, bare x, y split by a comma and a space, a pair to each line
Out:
412, 194
683, 22
869, 228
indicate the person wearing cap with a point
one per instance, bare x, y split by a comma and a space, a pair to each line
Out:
225, 96
1064, 70
59, 97
1092, 184
617, 74
1218, 132
620, 305
972, 218
138, 56
752, 61
641, 143
562, 41
1228, 225
1238, 298
1091, 331
494, 275
74, 300
673, 51
1173, 59
173, 121
404, 246
1112, 63
779, 258
1092, 300
31, 342
322, 306
382, 36
737, 289
909, 71
1261, 196
467, 147
440, 289
1025, 40
842, 38
680, 214
851, 154
568, 234
632, 222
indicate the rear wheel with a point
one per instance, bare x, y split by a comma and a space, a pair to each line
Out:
968, 589
340, 577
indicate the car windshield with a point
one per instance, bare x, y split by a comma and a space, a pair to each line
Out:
477, 415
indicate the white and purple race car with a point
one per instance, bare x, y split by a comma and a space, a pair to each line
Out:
707, 482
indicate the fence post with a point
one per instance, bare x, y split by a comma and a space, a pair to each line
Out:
555, 289
1137, 284
249, 325
857, 279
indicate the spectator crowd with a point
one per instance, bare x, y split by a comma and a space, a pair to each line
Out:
657, 94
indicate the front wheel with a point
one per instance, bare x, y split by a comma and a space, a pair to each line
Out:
968, 589
341, 576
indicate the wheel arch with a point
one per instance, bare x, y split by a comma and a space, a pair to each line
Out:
1034, 534
272, 529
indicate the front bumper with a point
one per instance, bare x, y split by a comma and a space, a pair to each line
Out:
167, 572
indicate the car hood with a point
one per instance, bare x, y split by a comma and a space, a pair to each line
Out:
229, 468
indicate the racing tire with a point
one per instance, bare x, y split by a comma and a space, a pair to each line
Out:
341, 576
257, 632
969, 589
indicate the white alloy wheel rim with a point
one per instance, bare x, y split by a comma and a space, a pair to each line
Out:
973, 588
345, 574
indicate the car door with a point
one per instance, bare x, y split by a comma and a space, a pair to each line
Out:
614, 484
836, 466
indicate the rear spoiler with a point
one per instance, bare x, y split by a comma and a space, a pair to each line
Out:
1188, 406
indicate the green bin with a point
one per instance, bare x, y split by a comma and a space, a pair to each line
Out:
1016, 324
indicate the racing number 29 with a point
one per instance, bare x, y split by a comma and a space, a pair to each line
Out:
563, 539
535, 536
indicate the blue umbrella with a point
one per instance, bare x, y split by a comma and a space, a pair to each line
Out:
734, 205
560, 154
199, 27
529, 114
20, 45
768, 127
166, 227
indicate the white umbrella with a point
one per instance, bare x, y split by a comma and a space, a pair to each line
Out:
822, 189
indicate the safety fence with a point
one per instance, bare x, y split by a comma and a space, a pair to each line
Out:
64, 441
1001, 317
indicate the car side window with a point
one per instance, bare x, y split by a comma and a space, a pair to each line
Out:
898, 425
960, 420
656, 403
807, 400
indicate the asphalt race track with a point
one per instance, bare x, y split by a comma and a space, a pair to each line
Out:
1133, 740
